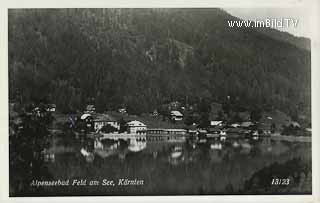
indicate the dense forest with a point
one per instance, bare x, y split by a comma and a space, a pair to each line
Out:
142, 58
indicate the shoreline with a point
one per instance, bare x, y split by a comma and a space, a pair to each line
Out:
291, 138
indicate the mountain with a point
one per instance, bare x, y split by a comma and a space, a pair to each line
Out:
299, 42
142, 58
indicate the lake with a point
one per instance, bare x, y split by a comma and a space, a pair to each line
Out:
179, 168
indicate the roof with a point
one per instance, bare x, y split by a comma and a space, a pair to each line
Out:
84, 116
176, 113
246, 124
136, 123
235, 125
215, 122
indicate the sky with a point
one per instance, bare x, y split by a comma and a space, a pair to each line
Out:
303, 28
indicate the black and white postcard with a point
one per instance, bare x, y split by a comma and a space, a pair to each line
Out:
159, 101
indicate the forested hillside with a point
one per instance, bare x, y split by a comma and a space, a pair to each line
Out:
300, 42
141, 58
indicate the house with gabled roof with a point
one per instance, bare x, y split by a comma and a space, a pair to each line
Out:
135, 126
176, 115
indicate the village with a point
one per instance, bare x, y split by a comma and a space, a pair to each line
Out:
174, 122
93, 137
170, 127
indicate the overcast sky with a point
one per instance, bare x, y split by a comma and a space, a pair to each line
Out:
303, 27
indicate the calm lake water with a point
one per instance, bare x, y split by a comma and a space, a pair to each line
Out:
189, 167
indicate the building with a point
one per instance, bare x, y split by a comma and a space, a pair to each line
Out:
87, 119
90, 108
103, 120
155, 113
39, 112
164, 131
168, 135
176, 115
51, 107
122, 110
235, 125
247, 124
216, 123
134, 127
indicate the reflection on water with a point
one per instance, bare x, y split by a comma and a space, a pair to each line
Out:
167, 167
136, 146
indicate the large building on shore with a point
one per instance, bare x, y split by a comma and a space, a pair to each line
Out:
135, 126
103, 120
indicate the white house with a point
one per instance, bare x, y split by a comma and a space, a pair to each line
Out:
176, 115
135, 126
104, 120
216, 123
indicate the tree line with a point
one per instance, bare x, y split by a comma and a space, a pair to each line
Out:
143, 58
